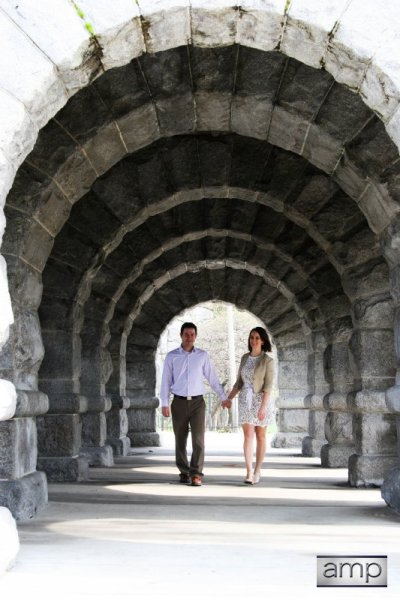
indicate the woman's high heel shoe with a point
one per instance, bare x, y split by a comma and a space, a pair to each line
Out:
248, 480
256, 478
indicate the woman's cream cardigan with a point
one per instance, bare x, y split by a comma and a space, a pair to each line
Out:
263, 374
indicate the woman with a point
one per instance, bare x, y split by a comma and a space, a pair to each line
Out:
254, 382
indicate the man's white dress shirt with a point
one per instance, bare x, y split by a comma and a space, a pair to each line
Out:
184, 374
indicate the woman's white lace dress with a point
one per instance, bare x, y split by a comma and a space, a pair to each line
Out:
249, 401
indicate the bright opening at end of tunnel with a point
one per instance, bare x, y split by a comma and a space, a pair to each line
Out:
223, 331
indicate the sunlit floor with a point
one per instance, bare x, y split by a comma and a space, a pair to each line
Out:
133, 531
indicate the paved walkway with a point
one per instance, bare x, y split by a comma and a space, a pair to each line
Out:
133, 532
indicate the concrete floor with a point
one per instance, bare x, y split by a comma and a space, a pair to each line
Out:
133, 531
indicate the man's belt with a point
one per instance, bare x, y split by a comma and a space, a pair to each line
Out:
188, 397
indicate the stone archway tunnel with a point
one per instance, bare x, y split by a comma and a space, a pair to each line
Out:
154, 157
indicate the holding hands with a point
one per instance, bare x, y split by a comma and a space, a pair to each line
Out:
226, 403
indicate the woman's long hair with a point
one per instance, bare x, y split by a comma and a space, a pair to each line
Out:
265, 341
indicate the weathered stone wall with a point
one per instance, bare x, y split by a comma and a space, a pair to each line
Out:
186, 153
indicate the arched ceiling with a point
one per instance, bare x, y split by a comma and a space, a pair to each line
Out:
256, 171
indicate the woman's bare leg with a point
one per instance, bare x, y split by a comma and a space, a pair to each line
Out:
260, 447
248, 432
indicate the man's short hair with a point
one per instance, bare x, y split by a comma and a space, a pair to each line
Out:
188, 326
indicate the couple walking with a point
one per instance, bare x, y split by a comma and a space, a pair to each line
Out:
184, 371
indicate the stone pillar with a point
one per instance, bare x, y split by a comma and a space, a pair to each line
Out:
96, 369
117, 418
293, 388
372, 349
339, 420
312, 444
140, 386
23, 489
391, 485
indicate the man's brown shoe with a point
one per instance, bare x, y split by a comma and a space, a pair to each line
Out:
184, 478
196, 480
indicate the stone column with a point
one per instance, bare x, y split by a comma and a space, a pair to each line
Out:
339, 421
23, 489
312, 444
293, 388
117, 418
140, 386
372, 349
60, 430
95, 372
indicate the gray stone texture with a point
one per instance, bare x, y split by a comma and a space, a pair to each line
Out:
117, 212
18, 448
59, 435
59, 469
25, 496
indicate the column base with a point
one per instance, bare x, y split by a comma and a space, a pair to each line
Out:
24, 497
370, 470
144, 439
98, 456
336, 457
311, 446
287, 439
66, 468
120, 446
390, 490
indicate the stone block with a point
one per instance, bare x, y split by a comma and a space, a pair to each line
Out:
251, 116
29, 349
316, 423
287, 440
31, 403
293, 420
105, 149
119, 32
120, 446
64, 469
371, 470
24, 497
322, 149
59, 356
311, 446
390, 490
260, 24
372, 351
94, 429
98, 456
8, 400
117, 423
213, 111
375, 434
144, 439
141, 420
336, 456
10, 542
292, 374
216, 26
59, 435
64, 403
176, 115
18, 448
139, 128
339, 428
140, 375
287, 130
164, 26
374, 313
33, 77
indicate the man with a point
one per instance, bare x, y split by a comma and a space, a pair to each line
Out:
183, 374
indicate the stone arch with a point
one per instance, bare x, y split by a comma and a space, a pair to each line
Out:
287, 27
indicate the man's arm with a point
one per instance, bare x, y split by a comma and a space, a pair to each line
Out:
210, 374
166, 382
